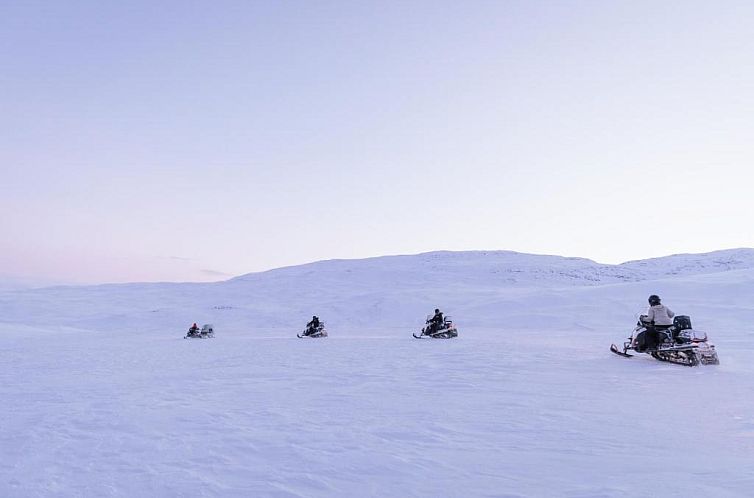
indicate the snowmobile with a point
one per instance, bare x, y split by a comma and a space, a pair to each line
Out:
206, 332
678, 343
314, 332
445, 331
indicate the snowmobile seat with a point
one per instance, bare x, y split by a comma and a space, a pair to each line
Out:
665, 333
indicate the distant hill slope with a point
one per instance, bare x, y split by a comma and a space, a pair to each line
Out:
481, 287
512, 268
693, 264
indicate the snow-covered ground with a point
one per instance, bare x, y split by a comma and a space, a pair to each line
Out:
101, 396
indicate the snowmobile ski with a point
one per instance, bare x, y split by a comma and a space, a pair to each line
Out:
615, 350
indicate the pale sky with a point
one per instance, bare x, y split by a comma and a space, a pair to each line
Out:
189, 140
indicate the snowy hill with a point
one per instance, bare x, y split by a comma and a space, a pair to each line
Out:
477, 287
103, 397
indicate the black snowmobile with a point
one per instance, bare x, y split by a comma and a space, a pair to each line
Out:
446, 330
677, 343
206, 332
314, 331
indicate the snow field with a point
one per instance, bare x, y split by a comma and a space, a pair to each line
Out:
366, 413
101, 396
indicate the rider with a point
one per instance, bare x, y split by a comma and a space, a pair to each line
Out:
436, 322
312, 326
659, 317
193, 330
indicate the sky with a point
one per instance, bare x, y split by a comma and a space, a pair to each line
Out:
194, 141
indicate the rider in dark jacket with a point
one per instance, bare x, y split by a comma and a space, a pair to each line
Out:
436, 322
312, 326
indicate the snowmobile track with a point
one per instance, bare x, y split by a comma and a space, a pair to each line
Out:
435, 336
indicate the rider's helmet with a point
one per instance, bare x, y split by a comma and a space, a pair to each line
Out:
437, 310
654, 300
194, 325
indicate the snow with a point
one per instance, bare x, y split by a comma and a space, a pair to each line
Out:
101, 396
